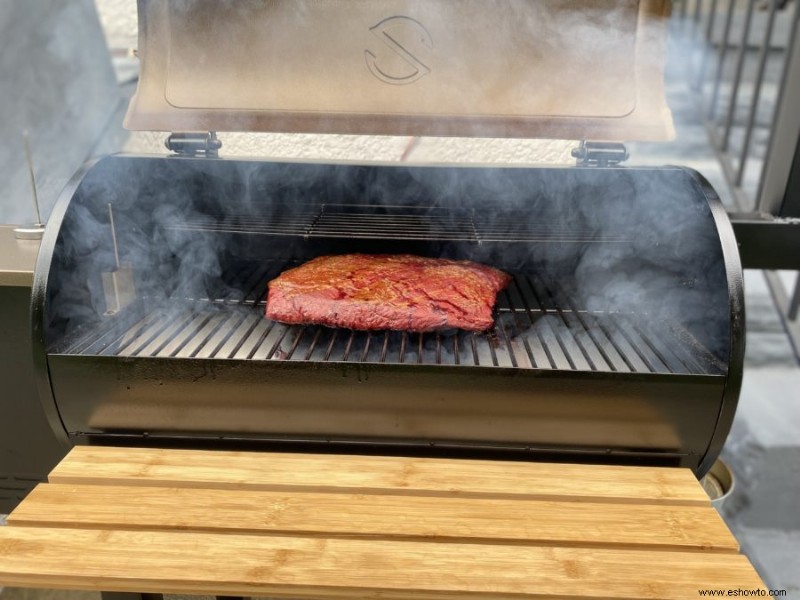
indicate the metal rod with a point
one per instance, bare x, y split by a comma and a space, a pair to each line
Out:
751, 117
685, 23
697, 9
113, 233
712, 18
783, 302
29, 160
574, 340
783, 131
794, 305
705, 47
723, 50
790, 206
737, 78
384, 348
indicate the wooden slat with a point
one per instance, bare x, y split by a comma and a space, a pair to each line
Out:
371, 475
377, 516
318, 568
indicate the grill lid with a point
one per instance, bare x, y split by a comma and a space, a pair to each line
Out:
575, 69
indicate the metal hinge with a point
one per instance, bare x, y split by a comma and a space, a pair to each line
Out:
194, 144
600, 154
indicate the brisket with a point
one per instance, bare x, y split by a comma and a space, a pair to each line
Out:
399, 292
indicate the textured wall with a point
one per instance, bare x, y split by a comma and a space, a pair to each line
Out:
118, 18
376, 148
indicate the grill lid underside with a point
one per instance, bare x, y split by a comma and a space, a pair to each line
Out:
575, 69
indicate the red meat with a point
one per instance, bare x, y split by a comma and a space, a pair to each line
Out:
400, 292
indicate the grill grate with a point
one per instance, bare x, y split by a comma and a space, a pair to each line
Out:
395, 223
537, 328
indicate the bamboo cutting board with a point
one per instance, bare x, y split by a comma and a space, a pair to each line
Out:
293, 525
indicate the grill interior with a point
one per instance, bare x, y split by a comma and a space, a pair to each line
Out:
616, 340
537, 327
600, 283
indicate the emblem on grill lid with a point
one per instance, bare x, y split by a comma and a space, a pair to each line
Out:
407, 67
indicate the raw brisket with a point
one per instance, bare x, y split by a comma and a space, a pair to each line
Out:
399, 292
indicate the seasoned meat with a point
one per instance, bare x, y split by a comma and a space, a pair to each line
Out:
399, 292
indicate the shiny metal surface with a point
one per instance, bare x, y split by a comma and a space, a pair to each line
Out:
387, 222
736, 310
569, 69
23, 464
33, 232
421, 406
38, 223
17, 258
719, 483
28, 447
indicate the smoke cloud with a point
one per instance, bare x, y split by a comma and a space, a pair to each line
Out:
638, 242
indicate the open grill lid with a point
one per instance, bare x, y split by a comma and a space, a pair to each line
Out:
575, 69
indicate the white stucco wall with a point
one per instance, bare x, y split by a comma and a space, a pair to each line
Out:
119, 21
118, 18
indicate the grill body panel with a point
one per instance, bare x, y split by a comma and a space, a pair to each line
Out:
620, 337
415, 405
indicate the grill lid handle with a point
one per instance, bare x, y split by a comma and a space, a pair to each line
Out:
600, 154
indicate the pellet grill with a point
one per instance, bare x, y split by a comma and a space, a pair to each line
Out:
620, 339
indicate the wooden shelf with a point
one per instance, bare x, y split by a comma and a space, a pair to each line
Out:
327, 526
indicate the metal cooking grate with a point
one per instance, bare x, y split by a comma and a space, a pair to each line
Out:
537, 327
396, 223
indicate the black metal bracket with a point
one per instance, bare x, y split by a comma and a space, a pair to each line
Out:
599, 154
766, 241
773, 243
194, 144
129, 596
791, 199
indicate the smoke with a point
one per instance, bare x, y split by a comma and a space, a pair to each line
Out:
639, 242
200, 233
57, 84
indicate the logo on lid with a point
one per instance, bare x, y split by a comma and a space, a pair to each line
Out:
407, 39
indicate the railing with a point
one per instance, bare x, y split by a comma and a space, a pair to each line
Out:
743, 60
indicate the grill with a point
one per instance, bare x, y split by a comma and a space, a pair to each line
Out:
620, 338
617, 340
536, 328
397, 223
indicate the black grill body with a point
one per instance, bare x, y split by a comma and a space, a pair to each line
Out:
620, 339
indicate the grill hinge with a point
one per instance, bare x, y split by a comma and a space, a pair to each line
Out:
194, 144
600, 154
